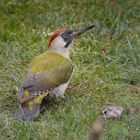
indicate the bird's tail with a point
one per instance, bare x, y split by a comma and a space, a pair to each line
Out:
27, 113
30, 106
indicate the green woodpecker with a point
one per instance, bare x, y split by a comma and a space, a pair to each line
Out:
49, 73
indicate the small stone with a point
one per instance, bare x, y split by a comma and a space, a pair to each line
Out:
132, 110
112, 111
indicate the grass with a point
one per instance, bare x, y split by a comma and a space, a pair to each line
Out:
107, 66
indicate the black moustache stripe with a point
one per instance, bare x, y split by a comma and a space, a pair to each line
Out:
68, 43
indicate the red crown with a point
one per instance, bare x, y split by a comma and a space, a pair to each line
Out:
55, 34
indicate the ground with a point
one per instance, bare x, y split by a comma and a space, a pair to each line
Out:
106, 59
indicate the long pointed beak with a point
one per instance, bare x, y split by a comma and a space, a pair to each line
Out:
82, 30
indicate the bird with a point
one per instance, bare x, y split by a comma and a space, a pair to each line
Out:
48, 73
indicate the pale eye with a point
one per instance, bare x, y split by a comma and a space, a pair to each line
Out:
65, 35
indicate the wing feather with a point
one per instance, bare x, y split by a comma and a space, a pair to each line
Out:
47, 71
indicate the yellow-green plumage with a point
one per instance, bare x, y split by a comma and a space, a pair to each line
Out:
46, 71
56, 66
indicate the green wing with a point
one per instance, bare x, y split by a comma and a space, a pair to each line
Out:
47, 71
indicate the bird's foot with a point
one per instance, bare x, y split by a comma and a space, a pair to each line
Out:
61, 98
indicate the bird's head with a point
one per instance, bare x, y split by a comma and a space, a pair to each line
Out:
61, 40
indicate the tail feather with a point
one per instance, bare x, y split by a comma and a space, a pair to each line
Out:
27, 113
24, 95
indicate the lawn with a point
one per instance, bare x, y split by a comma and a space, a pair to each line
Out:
106, 59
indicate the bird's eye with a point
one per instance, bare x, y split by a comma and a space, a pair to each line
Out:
65, 35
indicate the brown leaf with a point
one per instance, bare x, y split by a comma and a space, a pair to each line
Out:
96, 129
